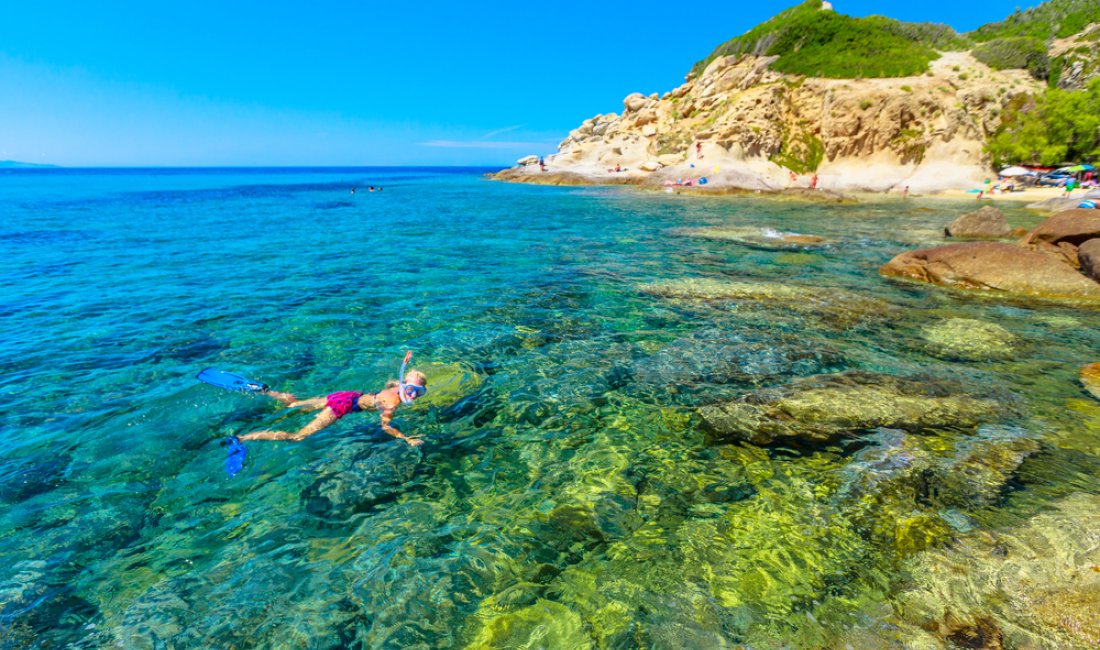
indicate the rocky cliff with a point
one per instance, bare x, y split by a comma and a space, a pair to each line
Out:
741, 124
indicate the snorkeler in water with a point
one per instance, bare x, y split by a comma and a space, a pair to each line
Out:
334, 406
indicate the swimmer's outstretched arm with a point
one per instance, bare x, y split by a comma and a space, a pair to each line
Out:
323, 419
387, 417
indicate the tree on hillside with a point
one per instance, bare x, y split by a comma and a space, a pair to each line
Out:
1052, 128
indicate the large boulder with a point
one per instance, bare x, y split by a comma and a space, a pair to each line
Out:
1088, 256
1071, 226
984, 223
634, 102
527, 160
820, 409
995, 268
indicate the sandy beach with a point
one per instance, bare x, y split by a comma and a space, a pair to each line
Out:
1029, 195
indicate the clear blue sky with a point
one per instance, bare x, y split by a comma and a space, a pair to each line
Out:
351, 83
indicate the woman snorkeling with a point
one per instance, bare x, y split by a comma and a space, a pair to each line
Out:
334, 406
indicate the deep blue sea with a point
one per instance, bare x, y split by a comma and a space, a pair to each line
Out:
568, 494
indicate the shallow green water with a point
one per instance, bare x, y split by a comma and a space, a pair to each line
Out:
568, 495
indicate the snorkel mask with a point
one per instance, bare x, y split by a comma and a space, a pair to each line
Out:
408, 392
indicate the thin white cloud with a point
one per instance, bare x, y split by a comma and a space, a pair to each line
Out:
481, 144
506, 129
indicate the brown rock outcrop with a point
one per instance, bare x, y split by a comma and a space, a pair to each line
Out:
984, 223
1074, 227
995, 267
1088, 256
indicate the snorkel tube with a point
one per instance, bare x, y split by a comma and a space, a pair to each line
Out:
402, 387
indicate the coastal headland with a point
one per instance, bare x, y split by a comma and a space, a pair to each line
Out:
743, 121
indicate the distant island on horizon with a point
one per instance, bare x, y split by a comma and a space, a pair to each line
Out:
15, 164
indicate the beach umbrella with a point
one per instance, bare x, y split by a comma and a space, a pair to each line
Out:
1077, 168
1015, 171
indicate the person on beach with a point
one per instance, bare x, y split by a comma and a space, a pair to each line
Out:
813, 182
336, 405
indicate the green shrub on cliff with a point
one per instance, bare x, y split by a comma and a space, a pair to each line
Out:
1023, 52
1051, 19
828, 44
1055, 127
801, 151
934, 35
813, 42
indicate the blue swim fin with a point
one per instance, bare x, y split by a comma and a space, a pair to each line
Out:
235, 460
229, 381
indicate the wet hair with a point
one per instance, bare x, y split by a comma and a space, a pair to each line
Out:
417, 378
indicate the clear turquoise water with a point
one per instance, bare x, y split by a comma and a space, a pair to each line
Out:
566, 489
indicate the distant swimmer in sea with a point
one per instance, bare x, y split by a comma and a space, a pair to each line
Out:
412, 385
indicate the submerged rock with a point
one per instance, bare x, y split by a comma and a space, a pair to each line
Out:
546, 624
1090, 379
447, 384
995, 268
361, 477
967, 339
904, 490
981, 466
891, 458
25, 478
1033, 586
835, 306
761, 238
984, 223
717, 356
819, 409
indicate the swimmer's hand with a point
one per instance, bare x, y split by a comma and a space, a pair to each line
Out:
414, 442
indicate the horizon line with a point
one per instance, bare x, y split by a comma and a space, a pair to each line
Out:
45, 167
